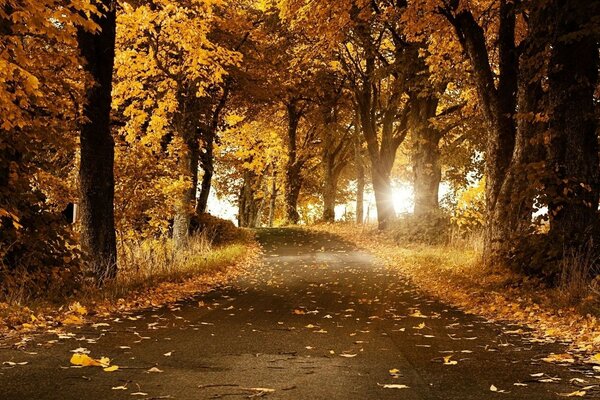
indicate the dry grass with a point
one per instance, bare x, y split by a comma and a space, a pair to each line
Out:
151, 273
574, 287
148, 263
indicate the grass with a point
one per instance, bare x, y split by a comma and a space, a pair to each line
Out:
151, 272
148, 264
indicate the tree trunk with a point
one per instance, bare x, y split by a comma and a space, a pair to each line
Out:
207, 164
360, 179
573, 143
96, 170
499, 105
293, 179
273, 198
249, 207
425, 156
184, 207
329, 192
383, 195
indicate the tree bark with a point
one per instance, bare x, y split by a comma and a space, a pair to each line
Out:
273, 198
573, 142
329, 192
249, 206
499, 105
425, 155
207, 158
184, 207
293, 178
96, 171
207, 164
360, 179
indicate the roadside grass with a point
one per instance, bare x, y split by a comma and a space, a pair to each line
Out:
151, 273
454, 273
151, 262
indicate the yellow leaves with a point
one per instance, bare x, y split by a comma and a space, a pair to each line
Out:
75, 315
83, 360
595, 359
72, 319
577, 393
448, 361
559, 358
78, 309
394, 373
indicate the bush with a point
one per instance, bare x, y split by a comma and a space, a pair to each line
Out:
433, 229
219, 231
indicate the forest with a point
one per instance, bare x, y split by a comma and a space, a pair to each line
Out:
133, 111
162, 161
121, 120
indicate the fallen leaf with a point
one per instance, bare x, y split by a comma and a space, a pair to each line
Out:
72, 319
447, 361
577, 393
394, 386
559, 358
84, 360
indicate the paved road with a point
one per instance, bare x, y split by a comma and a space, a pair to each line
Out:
319, 320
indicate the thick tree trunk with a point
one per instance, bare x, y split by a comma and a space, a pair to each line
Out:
96, 171
573, 144
184, 207
293, 179
425, 156
292, 193
384, 201
499, 105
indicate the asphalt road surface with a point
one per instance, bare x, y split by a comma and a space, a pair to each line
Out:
318, 320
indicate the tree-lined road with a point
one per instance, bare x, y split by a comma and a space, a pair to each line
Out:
318, 320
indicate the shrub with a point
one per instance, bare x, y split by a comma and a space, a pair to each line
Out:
219, 231
434, 229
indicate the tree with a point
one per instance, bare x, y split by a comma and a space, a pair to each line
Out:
572, 142
96, 169
41, 90
168, 66
336, 143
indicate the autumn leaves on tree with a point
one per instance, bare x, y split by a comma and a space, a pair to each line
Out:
136, 111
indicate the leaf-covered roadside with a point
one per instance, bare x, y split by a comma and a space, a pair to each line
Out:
456, 276
19, 322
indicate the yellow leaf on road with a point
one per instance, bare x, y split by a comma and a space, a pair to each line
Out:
447, 361
77, 308
559, 358
577, 393
84, 360
72, 319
